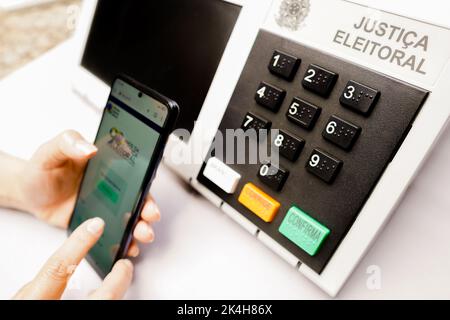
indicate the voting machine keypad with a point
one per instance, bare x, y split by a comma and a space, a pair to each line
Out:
335, 126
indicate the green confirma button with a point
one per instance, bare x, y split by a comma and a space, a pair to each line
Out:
108, 191
304, 231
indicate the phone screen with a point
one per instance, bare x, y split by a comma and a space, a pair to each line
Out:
127, 141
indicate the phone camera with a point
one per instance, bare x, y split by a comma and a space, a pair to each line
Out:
140, 94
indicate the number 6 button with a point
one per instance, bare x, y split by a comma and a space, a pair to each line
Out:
341, 132
324, 166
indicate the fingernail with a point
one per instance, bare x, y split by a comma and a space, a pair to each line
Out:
85, 148
155, 210
95, 226
128, 263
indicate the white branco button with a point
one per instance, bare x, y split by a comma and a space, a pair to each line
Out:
222, 175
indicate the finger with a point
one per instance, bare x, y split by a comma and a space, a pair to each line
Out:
151, 212
53, 277
69, 145
116, 282
144, 232
134, 250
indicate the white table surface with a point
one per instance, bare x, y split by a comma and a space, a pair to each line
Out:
199, 252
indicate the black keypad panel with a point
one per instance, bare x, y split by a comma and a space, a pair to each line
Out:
333, 154
284, 65
270, 96
359, 97
324, 165
288, 145
303, 113
341, 132
255, 122
272, 176
319, 80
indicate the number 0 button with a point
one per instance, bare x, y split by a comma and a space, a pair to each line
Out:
324, 166
359, 98
341, 132
319, 80
272, 176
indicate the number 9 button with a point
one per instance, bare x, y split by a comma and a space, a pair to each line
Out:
341, 132
324, 166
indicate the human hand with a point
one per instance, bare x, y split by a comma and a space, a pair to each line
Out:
49, 185
51, 281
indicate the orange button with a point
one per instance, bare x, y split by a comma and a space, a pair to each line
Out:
261, 204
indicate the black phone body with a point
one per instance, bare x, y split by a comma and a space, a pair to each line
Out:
133, 132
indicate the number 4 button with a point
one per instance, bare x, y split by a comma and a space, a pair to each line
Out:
270, 96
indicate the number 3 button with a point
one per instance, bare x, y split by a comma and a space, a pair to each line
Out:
359, 98
324, 166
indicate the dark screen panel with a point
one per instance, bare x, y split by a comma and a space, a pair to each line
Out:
172, 46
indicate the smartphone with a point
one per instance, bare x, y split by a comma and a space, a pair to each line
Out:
134, 129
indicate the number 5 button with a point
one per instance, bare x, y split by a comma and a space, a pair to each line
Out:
324, 166
341, 132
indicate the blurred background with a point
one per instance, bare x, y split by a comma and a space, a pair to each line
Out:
29, 28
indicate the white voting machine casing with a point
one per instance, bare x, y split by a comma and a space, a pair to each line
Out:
412, 51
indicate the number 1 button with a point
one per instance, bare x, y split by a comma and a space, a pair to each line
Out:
284, 65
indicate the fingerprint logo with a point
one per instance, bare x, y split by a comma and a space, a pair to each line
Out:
292, 13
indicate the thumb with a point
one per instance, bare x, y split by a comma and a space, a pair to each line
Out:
69, 145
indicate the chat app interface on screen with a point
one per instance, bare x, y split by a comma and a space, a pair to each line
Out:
114, 177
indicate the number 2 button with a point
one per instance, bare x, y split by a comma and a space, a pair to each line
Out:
319, 80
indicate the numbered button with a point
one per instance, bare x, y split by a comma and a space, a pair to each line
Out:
270, 96
288, 145
319, 80
359, 97
253, 122
284, 65
303, 113
324, 166
341, 132
272, 176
